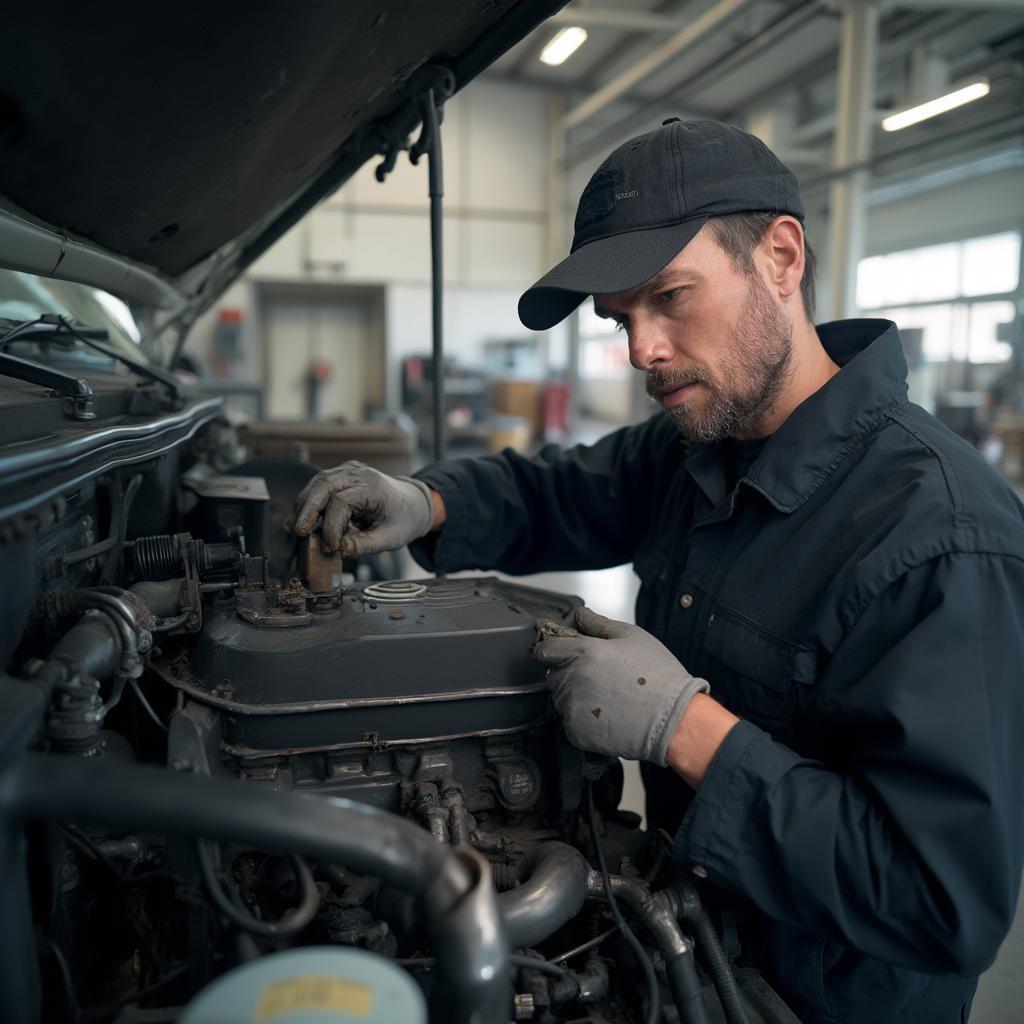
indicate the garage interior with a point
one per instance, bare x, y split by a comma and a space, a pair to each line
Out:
903, 121
922, 225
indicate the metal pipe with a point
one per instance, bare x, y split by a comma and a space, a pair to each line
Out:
686, 37
455, 889
649, 114
436, 178
552, 893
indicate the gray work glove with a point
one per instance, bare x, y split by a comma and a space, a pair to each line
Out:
619, 690
364, 510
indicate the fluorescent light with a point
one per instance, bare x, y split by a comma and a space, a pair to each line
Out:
925, 110
563, 45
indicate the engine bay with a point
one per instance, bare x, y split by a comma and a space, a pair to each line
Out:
227, 757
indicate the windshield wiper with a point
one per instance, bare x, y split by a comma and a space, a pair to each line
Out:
45, 327
75, 390
50, 326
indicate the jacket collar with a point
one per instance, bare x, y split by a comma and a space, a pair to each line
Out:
807, 448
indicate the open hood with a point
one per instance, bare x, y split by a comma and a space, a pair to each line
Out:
157, 155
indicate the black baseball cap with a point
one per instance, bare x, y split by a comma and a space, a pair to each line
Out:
646, 202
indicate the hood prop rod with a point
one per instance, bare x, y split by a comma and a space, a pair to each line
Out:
429, 88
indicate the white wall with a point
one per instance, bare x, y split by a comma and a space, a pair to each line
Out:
496, 180
980, 206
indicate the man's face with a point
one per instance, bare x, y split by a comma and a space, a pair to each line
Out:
714, 344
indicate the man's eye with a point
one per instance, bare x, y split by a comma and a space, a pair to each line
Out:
670, 295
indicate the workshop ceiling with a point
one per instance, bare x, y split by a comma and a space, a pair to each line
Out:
745, 59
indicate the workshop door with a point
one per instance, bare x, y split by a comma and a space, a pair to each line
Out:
320, 357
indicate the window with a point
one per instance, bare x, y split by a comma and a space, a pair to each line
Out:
954, 270
934, 294
604, 354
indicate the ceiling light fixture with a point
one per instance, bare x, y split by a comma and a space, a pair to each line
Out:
563, 45
923, 111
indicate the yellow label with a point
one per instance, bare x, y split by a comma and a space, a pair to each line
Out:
314, 992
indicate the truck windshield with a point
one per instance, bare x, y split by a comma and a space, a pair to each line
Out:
28, 296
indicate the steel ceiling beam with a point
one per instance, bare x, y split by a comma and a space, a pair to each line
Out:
624, 17
683, 39
790, 22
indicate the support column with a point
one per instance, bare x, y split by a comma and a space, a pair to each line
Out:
559, 238
851, 152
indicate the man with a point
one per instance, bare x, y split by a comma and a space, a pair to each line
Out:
826, 689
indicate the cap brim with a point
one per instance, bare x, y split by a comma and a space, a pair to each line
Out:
613, 264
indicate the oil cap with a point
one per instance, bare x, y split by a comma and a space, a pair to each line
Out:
315, 985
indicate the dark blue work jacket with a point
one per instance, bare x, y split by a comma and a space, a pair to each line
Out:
857, 598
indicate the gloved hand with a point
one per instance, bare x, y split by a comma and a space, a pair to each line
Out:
619, 690
364, 510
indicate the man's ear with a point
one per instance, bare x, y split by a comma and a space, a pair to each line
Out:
782, 251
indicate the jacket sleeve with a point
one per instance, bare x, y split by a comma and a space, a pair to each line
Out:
586, 507
912, 852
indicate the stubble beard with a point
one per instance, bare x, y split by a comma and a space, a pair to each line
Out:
752, 375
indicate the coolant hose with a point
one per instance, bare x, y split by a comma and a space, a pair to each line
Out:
686, 988
657, 912
718, 966
454, 886
552, 890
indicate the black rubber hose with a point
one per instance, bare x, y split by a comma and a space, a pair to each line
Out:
718, 966
367, 840
654, 996
93, 645
686, 989
457, 895
552, 892
291, 923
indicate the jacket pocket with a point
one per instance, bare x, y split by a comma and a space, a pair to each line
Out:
753, 672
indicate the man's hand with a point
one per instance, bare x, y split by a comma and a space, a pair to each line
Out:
619, 690
364, 510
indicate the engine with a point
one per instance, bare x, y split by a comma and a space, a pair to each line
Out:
251, 770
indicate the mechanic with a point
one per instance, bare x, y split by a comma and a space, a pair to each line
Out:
825, 683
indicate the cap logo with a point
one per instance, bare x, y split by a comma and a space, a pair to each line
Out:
631, 194
598, 199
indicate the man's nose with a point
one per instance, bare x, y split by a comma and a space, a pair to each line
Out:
649, 347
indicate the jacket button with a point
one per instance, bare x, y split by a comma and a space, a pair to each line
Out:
686, 600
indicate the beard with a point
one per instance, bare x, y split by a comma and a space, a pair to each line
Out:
752, 373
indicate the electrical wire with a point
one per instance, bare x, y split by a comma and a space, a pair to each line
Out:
116, 693
146, 705
583, 947
515, 959
67, 982
293, 921
165, 625
654, 999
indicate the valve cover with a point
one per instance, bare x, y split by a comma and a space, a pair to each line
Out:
389, 663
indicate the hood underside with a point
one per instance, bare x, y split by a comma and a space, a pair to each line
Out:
188, 145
